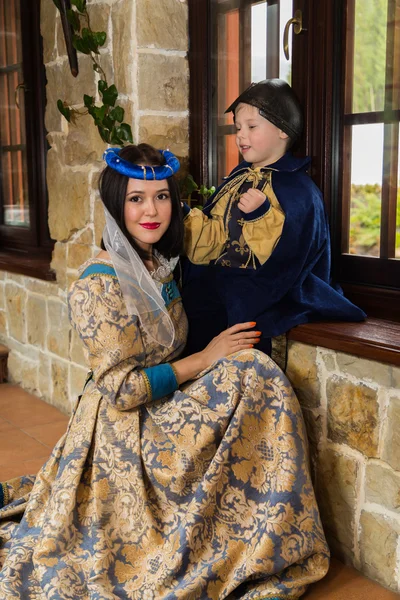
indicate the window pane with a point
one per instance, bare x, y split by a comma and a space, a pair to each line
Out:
285, 66
369, 55
259, 41
14, 189
366, 189
228, 154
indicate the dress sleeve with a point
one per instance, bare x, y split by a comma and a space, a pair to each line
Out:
205, 237
115, 347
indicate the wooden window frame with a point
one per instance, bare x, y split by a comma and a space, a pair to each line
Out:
320, 89
28, 250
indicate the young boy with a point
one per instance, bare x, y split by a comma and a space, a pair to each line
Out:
260, 251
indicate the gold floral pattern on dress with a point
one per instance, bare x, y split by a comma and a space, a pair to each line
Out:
202, 495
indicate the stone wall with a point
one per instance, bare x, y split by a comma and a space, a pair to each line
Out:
146, 57
352, 412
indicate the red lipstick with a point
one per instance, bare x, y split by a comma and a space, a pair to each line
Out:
150, 225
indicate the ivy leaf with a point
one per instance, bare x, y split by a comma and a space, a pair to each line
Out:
96, 68
104, 134
80, 45
80, 5
88, 100
64, 110
57, 3
117, 114
73, 19
99, 114
100, 37
110, 95
115, 138
108, 122
102, 86
124, 132
189, 185
89, 38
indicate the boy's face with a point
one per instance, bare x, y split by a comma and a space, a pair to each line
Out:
259, 141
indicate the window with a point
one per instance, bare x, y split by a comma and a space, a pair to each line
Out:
370, 232
25, 245
344, 67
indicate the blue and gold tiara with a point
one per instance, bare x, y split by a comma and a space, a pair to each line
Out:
113, 160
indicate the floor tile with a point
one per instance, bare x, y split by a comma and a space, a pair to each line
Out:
49, 433
25, 410
26, 467
5, 425
16, 446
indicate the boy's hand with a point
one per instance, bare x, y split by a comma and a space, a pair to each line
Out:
251, 200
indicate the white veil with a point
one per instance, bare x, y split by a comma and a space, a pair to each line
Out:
141, 294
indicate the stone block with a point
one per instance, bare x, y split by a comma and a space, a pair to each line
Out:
314, 425
353, 415
98, 221
84, 237
302, 372
378, 543
329, 359
53, 118
123, 36
99, 15
382, 485
166, 132
15, 310
337, 497
77, 350
59, 262
69, 199
3, 325
59, 375
2, 297
162, 24
364, 369
44, 288
83, 144
163, 82
391, 450
77, 378
48, 14
36, 320
58, 328
44, 383
77, 255
23, 372
395, 380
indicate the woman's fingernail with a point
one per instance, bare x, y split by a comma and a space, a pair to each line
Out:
252, 323
251, 345
257, 333
257, 340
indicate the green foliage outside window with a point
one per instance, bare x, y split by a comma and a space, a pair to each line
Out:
365, 220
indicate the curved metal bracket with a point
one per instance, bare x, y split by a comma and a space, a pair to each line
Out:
297, 22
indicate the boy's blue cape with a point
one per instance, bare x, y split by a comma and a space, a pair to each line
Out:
292, 287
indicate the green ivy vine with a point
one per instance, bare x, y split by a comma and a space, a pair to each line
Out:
108, 117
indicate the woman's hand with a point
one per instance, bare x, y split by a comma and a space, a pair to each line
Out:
231, 340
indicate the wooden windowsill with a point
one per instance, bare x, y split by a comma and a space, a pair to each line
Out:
27, 264
375, 339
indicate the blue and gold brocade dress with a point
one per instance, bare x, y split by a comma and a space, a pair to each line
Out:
202, 493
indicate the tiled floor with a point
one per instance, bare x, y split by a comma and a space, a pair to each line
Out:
29, 428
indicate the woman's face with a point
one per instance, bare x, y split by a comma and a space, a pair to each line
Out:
147, 211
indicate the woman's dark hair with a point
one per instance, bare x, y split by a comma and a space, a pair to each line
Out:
113, 185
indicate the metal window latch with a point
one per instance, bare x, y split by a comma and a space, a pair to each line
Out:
297, 22
20, 86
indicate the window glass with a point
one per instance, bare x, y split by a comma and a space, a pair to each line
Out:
369, 55
14, 190
258, 41
366, 189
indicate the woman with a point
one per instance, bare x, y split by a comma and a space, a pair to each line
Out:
177, 478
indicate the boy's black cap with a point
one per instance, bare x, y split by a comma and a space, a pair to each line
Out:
276, 102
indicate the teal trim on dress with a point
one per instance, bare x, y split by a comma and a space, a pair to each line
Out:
162, 380
170, 292
98, 269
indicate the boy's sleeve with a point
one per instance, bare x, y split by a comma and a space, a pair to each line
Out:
205, 237
262, 229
